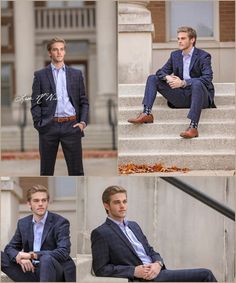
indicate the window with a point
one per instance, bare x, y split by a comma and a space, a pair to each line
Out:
63, 188
4, 4
63, 4
196, 14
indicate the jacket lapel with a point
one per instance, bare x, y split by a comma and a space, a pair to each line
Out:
193, 59
118, 231
51, 79
48, 225
30, 232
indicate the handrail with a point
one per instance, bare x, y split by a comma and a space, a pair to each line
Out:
202, 197
112, 119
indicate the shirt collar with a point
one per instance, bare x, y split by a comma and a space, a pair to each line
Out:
43, 220
54, 68
189, 54
119, 223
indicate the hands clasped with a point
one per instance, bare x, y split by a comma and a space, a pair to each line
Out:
174, 81
23, 259
148, 271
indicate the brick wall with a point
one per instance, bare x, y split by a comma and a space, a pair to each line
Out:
158, 12
227, 20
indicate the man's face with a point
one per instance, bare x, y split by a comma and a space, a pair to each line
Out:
117, 206
38, 204
57, 52
184, 43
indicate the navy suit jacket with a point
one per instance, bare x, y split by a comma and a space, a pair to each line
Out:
44, 99
199, 69
113, 254
55, 242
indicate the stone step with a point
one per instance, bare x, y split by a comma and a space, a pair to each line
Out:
187, 159
164, 113
224, 128
160, 144
96, 137
136, 99
134, 89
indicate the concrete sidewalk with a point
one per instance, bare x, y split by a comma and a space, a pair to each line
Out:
96, 163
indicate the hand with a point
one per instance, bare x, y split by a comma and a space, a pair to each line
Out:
26, 265
175, 82
140, 271
79, 125
154, 270
22, 255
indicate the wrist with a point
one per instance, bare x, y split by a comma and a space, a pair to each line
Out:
33, 256
183, 83
160, 263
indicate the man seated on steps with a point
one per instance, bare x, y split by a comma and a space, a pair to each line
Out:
185, 81
120, 249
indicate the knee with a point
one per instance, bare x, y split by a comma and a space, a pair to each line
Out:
208, 275
152, 79
197, 84
5, 261
46, 260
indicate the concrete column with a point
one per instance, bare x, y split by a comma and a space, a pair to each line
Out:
11, 194
134, 42
106, 56
24, 50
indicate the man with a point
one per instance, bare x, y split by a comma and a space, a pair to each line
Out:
120, 249
185, 81
40, 248
59, 108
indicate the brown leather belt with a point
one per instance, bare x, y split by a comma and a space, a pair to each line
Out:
64, 119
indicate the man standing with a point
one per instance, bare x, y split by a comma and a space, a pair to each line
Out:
185, 81
120, 249
40, 248
59, 108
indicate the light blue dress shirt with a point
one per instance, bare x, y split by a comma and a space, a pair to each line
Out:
38, 232
64, 107
186, 64
138, 247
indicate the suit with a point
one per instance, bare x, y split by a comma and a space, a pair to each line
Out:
199, 91
55, 251
114, 256
43, 107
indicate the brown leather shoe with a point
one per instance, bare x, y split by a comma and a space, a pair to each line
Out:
142, 118
189, 133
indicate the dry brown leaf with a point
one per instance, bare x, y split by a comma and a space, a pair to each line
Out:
130, 168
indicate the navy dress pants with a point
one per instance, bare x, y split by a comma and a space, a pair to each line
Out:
49, 270
195, 97
70, 139
186, 275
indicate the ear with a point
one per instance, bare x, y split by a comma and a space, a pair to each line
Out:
49, 54
106, 205
29, 205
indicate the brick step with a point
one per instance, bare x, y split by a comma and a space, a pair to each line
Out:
194, 161
224, 128
160, 144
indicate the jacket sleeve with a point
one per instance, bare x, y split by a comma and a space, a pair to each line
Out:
15, 245
35, 101
167, 69
102, 265
83, 102
62, 238
205, 70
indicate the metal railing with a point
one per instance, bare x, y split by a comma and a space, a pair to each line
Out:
112, 118
202, 197
70, 19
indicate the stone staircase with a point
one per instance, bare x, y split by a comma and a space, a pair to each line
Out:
97, 136
160, 142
